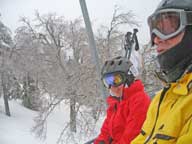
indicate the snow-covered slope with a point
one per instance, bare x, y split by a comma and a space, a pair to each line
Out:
17, 128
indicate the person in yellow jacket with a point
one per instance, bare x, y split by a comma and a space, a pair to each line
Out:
169, 117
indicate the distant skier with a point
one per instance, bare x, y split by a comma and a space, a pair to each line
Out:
127, 103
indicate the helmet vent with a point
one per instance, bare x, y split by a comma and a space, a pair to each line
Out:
120, 62
112, 62
105, 63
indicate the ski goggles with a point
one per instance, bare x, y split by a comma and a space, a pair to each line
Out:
114, 79
168, 23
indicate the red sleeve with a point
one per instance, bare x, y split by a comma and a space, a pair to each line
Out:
138, 108
104, 134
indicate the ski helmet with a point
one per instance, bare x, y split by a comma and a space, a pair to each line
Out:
119, 66
175, 61
175, 4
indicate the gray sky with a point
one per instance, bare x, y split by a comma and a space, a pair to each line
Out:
100, 11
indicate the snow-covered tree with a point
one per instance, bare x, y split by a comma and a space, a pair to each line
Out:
44, 46
110, 38
55, 53
6, 45
151, 82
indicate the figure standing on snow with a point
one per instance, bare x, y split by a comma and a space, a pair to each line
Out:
169, 118
127, 103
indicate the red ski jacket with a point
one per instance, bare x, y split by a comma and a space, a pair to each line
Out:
124, 116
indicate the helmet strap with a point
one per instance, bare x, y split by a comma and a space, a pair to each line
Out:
129, 79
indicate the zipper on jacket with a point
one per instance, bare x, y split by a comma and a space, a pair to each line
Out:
157, 115
164, 137
113, 115
143, 132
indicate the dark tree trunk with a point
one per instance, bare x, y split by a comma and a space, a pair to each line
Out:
5, 96
73, 115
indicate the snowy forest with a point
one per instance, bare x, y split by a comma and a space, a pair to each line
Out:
46, 64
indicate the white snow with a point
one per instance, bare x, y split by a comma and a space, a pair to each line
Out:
17, 128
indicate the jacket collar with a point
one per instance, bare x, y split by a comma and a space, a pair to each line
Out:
183, 85
135, 87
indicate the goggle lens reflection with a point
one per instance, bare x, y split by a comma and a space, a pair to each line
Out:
115, 80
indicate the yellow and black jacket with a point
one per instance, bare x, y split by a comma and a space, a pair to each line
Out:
169, 117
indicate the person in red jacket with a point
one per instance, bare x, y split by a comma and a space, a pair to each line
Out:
127, 103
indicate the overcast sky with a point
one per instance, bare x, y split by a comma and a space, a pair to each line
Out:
100, 11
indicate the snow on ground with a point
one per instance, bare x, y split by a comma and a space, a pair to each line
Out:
17, 128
